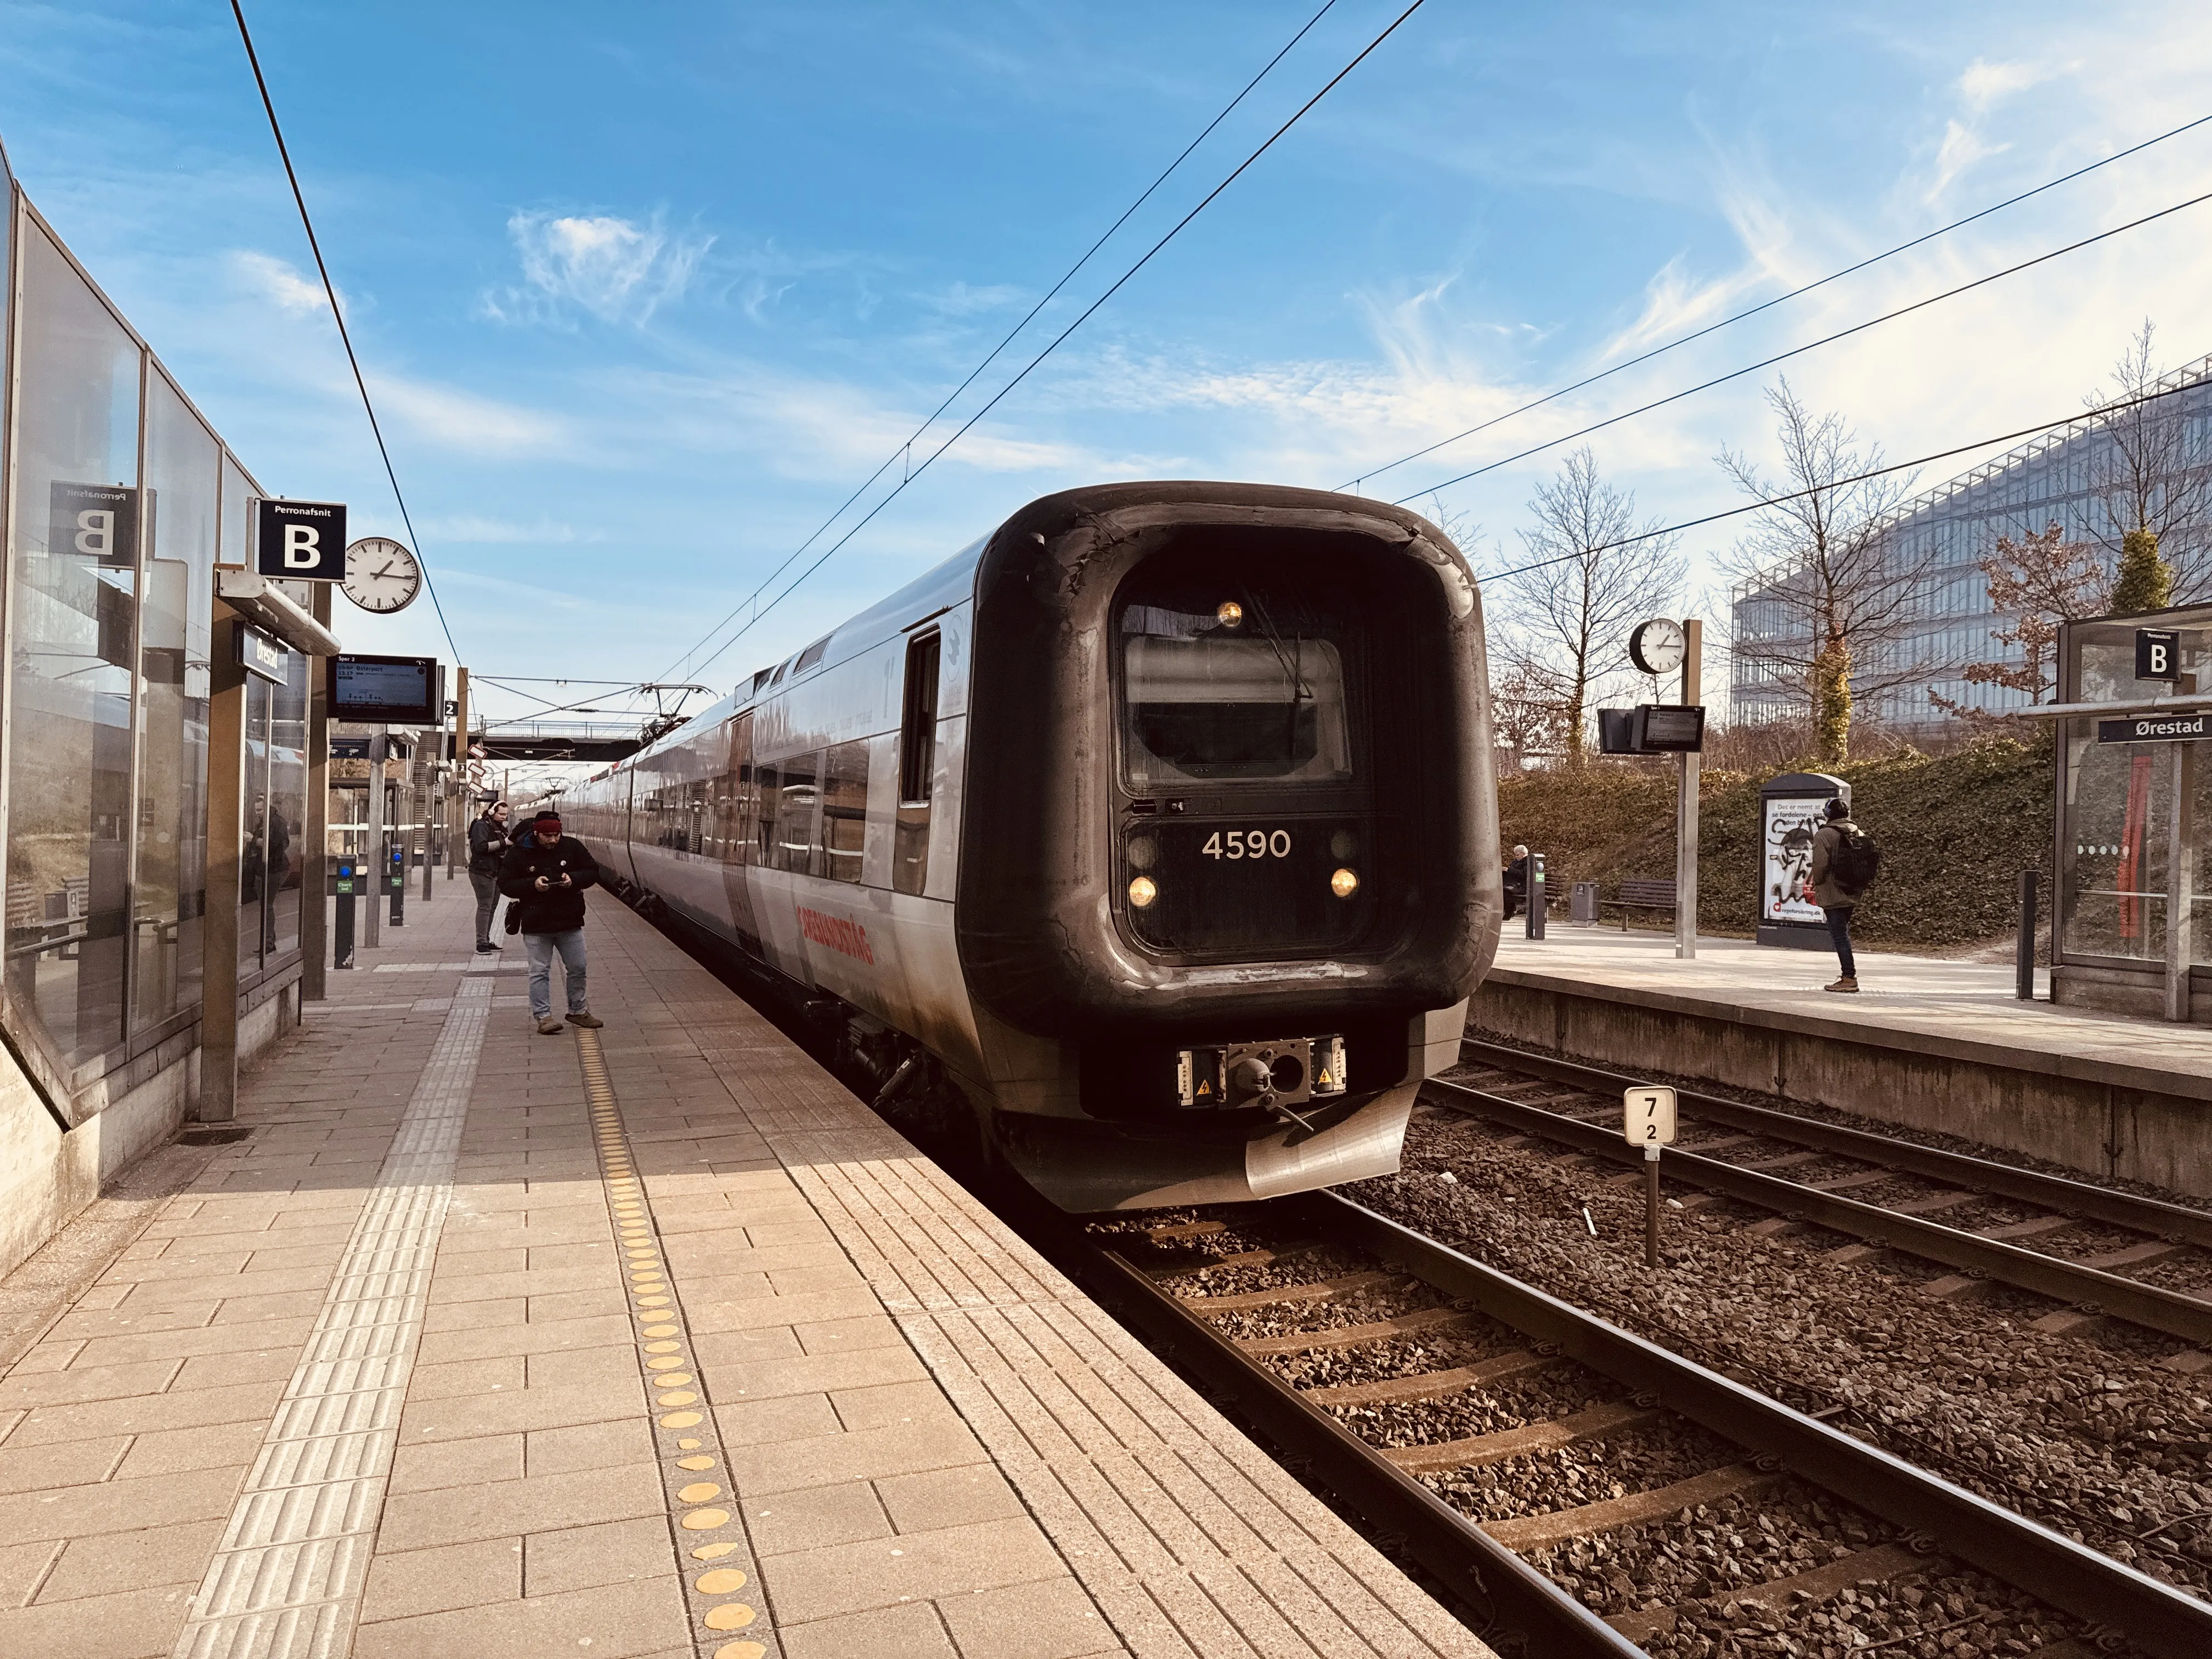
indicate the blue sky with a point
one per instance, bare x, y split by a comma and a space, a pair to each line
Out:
645, 292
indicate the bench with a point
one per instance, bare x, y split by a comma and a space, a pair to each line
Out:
1640, 896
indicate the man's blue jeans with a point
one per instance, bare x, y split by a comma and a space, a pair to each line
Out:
540, 948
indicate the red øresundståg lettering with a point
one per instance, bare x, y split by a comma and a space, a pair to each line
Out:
845, 938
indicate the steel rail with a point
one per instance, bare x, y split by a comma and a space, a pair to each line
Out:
2149, 1215
2161, 1620
2148, 1305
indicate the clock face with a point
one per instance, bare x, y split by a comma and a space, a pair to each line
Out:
1657, 647
381, 575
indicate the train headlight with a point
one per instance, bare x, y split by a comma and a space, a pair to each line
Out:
1229, 613
1144, 852
1142, 891
1344, 884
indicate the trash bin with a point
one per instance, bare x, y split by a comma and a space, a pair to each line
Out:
1582, 904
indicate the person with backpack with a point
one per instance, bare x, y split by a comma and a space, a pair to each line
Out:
545, 872
1844, 860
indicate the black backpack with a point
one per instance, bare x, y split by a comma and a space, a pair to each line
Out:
1856, 861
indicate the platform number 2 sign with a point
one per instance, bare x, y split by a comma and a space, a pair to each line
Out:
1648, 1119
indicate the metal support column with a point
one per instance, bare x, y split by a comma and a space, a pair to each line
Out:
315, 830
1685, 804
374, 857
2181, 883
226, 821
464, 798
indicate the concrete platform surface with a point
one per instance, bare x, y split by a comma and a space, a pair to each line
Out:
1963, 1007
646, 1341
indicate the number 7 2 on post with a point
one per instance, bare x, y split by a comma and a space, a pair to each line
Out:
1648, 1115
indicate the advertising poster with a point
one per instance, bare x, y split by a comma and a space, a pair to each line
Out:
1788, 861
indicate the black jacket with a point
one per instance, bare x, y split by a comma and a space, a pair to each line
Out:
558, 909
488, 843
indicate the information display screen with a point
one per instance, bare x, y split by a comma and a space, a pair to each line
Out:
391, 691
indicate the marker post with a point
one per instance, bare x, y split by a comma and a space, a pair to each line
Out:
1648, 1121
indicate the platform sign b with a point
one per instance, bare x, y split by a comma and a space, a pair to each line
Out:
2158, 653
299, 541
1648, 1115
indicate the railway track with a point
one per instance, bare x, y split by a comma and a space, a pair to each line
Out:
1575, 1483
1997, 1223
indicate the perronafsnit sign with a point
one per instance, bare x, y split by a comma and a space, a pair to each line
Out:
299, 541
2155, 728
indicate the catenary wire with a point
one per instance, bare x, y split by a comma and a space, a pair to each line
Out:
2097, 413
1009, 337
907, 448
1057, 340
1810, 345
330, 293
1780, 299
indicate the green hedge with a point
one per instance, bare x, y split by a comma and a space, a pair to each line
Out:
1955, 831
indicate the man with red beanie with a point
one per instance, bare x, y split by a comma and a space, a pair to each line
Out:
545, 873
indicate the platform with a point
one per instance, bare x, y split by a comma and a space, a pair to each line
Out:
647, 1342
1934, 1043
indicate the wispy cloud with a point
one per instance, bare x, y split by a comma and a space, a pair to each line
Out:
614, 269
474, 529
1984, 82
469, 424
273, 279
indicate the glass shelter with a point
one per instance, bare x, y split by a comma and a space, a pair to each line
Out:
2134, 903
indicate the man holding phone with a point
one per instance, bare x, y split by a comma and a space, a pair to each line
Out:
545, 873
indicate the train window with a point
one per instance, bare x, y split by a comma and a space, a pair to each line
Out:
1231, 684
917, 763
767, 782
797, 796
844, 810
811, 655
737, 792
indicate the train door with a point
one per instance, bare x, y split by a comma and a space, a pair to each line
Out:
741, 803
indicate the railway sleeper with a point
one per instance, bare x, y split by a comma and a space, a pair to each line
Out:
1592, 1423
1321, 1290
1430, 1385
1254, 1258
1530, 1532
1783, 1596
1351, 1336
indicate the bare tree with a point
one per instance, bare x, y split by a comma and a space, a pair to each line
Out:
2155, 475
1527, 717
2036, 583
1593, 574
1827, 605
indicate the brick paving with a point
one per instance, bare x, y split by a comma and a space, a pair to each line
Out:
707, 1361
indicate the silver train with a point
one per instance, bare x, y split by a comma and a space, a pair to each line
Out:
1153, 836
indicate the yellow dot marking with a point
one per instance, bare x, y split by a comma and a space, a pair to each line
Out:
721, 1582
730, 1615
664, 1362
660, 1330
653, 1302
680, 1420
694, 1463
741, 1650
699, 1492
673, 1380
662, 1347
705, 1520
712, 1552
681, 1397
688, 1445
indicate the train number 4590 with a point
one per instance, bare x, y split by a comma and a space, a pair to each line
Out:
1248, 844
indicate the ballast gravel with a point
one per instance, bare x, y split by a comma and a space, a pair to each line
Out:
2103, 1443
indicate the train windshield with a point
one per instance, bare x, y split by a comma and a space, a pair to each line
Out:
1234, 686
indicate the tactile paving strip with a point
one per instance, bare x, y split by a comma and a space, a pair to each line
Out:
721, 1584
287, 1577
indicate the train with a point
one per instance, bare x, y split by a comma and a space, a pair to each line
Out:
1151, 838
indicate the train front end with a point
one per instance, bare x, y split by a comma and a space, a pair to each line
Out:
1228, 869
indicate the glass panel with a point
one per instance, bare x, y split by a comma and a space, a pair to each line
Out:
169, 895
257, 917
288, 802
794, 813
917, 765
75, 511
844, 810
2119, 820
1219, 686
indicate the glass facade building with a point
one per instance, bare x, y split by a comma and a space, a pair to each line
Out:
1936, 540
119, 501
